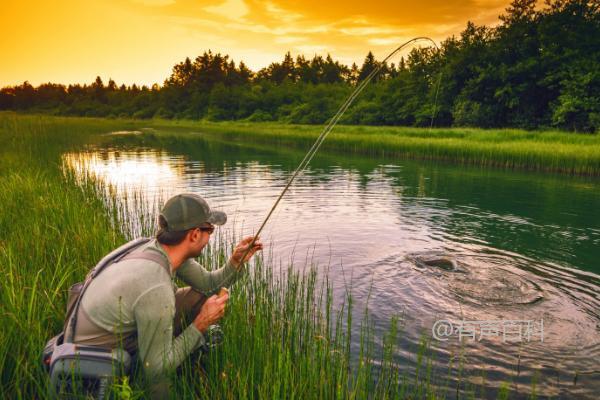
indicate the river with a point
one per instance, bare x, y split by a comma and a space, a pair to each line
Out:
510, 259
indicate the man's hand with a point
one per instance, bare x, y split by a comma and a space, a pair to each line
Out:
211, 312
240, 250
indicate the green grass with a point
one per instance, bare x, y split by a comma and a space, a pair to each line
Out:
548, 151
551, 151
283, 337
52, 232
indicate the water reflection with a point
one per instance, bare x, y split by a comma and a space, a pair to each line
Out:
526, 246
145, 169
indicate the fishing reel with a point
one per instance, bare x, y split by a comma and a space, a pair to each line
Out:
214, 334
214, 337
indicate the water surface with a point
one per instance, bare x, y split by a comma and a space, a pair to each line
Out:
525, 245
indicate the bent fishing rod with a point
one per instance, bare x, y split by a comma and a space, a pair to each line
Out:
333, 122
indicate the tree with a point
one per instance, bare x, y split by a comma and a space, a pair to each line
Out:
353, 74
369, 64
538, 67
280, 72
181, 75
112, 86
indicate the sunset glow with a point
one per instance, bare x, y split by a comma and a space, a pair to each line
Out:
138, 41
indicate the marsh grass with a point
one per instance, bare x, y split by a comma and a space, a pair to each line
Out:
51, 233
284, 339
551, 151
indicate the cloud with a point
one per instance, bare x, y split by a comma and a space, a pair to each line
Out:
280, 13
290, 39
366, 30
399, 13
387, 41
68, 40
312, 49
230, 9
154, 2
323, 21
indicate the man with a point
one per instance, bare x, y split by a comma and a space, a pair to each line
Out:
134, 302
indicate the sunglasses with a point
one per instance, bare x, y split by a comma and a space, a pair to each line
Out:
209, 229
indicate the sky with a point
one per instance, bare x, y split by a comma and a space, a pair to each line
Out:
139, 41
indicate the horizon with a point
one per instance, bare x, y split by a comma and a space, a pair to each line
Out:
71, 43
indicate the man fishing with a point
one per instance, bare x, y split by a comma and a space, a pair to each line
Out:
135, 304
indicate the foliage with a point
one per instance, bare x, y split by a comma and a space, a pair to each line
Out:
537, 68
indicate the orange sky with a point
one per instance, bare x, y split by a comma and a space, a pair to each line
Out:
139, 41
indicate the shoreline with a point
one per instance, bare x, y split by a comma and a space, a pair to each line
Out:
542, 151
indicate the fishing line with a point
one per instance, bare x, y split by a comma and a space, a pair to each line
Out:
435, 99
333, 122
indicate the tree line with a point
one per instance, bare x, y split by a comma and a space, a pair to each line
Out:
540, 67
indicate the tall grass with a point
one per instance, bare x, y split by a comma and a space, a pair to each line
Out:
52, 232
283, 337
551, 151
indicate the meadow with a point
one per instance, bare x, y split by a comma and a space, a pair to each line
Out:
282, 336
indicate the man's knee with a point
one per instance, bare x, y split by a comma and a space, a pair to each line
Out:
188, 303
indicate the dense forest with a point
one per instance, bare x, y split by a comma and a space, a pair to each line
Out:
539, 67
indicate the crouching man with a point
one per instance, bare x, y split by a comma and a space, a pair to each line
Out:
135, 304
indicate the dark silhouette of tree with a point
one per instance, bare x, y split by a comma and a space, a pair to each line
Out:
181, 75
111, 86
333, 71
98, 90
353, 74
369, 64
279, 72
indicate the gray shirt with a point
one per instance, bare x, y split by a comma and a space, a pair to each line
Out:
137, 296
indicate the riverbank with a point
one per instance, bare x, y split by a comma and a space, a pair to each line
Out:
547, 151
544, 151
282, 335
52, 232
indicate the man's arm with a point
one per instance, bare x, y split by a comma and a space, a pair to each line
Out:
159, 352
209, 282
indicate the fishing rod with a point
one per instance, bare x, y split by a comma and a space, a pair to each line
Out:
333, 122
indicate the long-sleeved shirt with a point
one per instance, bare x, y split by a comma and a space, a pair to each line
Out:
138, 296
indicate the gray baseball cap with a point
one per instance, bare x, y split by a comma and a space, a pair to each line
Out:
188, 210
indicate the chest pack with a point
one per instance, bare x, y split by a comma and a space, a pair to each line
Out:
86, 370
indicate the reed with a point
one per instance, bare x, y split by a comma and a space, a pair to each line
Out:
549, 151
52, 232
283, 336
